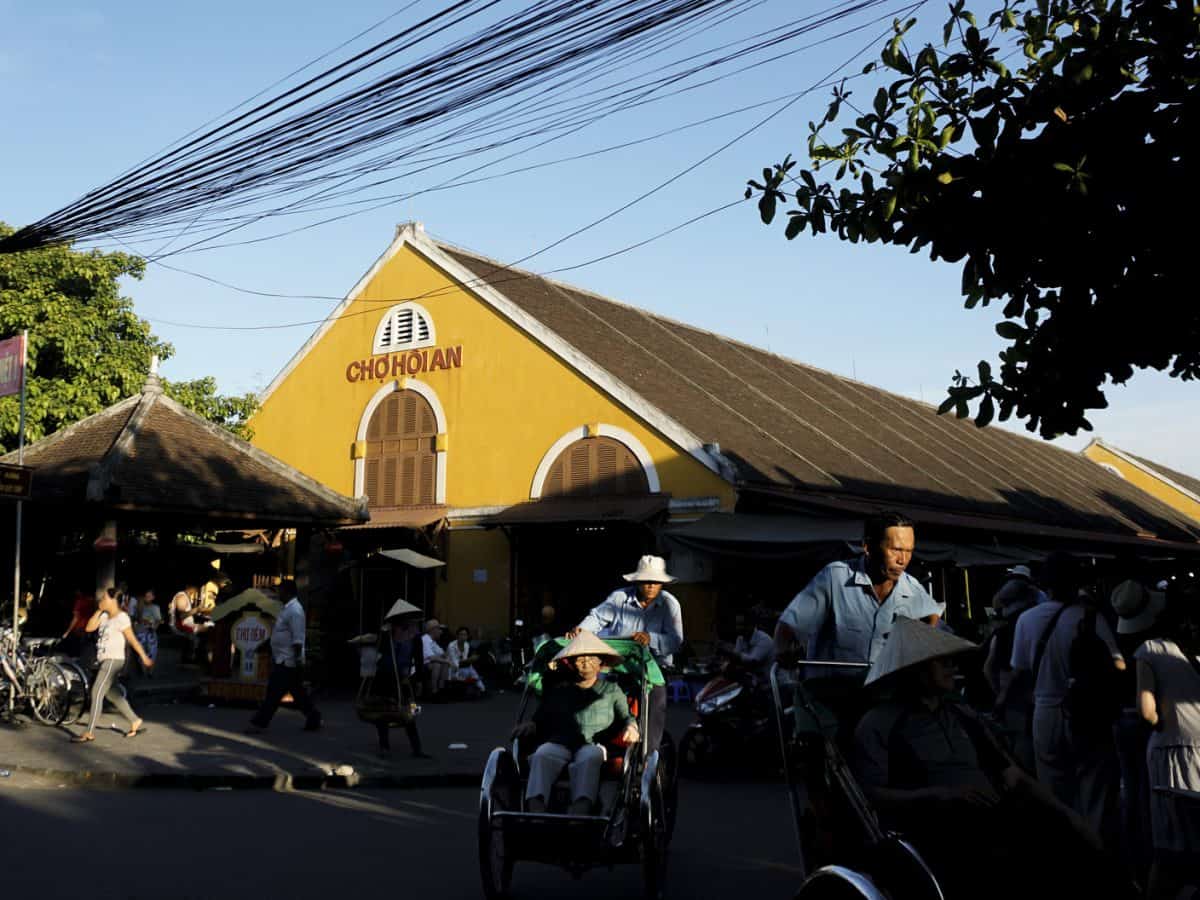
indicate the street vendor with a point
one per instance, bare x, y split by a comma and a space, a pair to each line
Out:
935, 772
568, 721
649, 615
847, 610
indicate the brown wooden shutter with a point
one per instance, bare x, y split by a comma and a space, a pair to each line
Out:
401, 457
594, 467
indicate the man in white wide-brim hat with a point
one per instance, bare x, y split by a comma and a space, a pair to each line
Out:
652, 617
570, 718
935, 771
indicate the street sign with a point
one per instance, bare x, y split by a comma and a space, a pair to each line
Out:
12, 365
16, 482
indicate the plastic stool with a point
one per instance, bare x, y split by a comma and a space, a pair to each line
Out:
679, 692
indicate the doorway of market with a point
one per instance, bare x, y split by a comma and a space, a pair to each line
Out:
573, 567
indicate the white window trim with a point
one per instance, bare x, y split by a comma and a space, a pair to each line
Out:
418, 311
439, 414
576, 434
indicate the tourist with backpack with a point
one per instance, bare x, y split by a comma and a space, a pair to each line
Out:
1071, 657
1168, 678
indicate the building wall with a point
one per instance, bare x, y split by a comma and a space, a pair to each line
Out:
505, 406
1139, 477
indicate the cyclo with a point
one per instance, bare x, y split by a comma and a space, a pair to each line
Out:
844, 851
637, 799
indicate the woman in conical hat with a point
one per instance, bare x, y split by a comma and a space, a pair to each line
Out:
571, 717
910, 643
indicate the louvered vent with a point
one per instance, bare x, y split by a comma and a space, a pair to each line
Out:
404, 327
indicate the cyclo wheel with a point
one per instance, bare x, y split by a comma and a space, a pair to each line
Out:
654, 839
48, 688
77, 696
495, 868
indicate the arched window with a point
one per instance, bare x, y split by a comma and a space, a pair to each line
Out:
404, 327
401, 458
595, 467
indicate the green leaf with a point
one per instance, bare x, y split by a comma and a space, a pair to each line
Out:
1010, 331
987, 411
946, 406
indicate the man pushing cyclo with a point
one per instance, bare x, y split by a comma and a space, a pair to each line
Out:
929, 766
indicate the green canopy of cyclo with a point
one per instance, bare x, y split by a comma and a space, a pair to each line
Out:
635, 659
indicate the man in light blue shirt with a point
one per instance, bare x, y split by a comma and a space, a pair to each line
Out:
846, 612
649, 615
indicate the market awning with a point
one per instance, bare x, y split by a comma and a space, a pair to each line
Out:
234, 549
409, 517
767, 529
412, 558
582, 509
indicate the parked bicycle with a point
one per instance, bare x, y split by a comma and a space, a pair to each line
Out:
42, 684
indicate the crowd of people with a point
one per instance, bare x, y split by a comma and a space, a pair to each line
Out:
1038, 755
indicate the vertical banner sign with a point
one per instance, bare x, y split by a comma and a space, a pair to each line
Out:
12, 366
12, 381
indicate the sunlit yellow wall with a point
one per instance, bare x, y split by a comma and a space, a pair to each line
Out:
1148, 483
476, 591
507, 404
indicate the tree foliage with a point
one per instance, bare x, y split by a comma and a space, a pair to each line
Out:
87, 348
1062, 185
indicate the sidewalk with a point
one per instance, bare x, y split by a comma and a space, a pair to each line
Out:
192, 745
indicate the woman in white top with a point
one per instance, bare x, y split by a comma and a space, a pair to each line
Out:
115, 632
1168, 679
462, 662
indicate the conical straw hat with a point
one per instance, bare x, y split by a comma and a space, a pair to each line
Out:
402, 608
911, 642
587, 644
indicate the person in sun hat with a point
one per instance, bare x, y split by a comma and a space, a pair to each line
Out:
936, 773
649, 615
570, 717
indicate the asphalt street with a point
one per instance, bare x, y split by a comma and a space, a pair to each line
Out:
733, 840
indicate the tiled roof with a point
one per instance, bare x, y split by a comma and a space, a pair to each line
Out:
149, 454
790, 427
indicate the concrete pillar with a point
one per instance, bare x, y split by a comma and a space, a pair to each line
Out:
106, 556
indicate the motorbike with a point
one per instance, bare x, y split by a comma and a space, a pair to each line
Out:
734, 726
504, 660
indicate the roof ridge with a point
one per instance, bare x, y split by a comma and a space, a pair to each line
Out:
273, 463
57, 437
101, 475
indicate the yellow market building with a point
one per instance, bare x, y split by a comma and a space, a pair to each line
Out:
1179, 491
537, 438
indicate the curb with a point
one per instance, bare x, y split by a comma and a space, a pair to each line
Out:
280, 781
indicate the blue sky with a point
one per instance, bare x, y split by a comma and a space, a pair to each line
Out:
91, 90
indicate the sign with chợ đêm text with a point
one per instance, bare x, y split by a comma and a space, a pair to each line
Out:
248, 633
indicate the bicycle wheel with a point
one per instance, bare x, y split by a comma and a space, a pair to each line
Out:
48, 688
79, 695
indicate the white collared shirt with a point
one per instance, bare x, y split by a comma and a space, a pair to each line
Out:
288, 632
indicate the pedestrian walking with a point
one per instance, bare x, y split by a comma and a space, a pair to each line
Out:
146, 624
391, 701
287, 665
115, 630
1076, 761
1168, 677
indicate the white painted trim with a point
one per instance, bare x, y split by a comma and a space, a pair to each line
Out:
636, 447
439, 415
1153, 473
403, 234
617, 390
419, 312
476, 512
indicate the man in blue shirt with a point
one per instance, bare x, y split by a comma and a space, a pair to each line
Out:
649, 615
846, 612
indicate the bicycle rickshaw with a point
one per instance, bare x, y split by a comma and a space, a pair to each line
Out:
637, 794
844, 851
